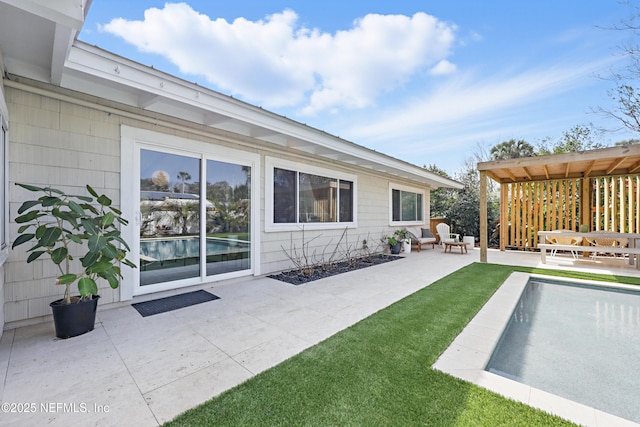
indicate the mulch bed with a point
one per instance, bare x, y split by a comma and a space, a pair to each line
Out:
296, 277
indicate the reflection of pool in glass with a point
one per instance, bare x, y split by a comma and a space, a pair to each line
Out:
579, 342
173, 258
165, 249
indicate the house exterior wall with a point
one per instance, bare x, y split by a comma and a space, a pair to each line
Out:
55, 141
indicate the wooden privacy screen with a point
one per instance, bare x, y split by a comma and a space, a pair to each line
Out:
615, 204
529, 207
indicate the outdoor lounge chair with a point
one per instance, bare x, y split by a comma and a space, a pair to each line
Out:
446, 236
421, 236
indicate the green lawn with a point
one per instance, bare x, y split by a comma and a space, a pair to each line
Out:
377, 372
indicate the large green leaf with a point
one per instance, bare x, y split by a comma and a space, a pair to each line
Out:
24, 228
50, 201
30, 187
34, 256
29, 216
67, 279
90, 226
50, 236
104, 200
107, 219
109, 251
59, 255
27, 205
97, 243
92, 191
67, 216
74, 238
23, 238
99, 267
76, 208
89, 259
87, 286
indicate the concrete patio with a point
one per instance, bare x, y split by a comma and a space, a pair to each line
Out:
144, 371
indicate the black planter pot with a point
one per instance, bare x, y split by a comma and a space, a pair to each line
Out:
74, 319
395, 249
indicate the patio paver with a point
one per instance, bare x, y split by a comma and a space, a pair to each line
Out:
144, 371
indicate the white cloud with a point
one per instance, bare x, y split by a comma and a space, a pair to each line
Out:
276, 63
443, 67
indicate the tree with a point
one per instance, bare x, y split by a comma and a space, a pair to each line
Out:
440, 198
184, 176
512, 149
578, 138
626, 93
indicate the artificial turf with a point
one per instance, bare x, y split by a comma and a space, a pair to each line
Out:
378, 372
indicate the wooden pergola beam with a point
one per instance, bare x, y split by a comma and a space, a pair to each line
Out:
634, 167
526, 172
510, 174
589, 168
616, 162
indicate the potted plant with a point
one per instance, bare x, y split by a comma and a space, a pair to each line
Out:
395, 245
60, 226
403, 237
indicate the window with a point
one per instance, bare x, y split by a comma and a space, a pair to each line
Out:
406, 205
315, 197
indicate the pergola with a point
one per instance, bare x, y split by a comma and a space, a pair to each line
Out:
590, 190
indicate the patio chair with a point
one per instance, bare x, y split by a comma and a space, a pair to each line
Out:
565, 240
421, 236
608, 241
446, 236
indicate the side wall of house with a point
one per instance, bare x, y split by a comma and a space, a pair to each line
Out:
60, 142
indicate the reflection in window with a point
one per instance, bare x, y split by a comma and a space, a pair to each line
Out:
319, 199
228, 238
406, 206
170, 213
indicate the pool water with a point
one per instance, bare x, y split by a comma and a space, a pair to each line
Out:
578, 342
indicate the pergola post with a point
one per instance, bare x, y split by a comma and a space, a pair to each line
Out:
484, 237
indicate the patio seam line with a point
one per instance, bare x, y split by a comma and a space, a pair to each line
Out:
133, 379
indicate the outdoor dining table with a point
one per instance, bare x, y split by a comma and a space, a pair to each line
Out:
633, 238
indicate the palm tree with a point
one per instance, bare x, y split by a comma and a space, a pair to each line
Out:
512, 149
184, 176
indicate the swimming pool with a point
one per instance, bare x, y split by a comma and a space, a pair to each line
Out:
577, 341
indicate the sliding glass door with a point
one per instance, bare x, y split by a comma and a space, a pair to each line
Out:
194, 218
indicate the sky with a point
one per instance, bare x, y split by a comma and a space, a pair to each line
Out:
428, 82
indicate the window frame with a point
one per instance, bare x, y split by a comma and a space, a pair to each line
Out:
4, 182
272, 163
406, 189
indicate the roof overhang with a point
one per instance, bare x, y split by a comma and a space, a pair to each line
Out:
36, 35
612, 161
38, 41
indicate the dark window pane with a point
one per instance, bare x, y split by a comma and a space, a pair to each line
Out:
395, 208
284, 196
346, 201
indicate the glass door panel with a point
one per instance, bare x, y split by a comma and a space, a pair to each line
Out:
228, 207
170, 217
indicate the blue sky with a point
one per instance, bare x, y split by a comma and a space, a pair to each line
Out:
424, 81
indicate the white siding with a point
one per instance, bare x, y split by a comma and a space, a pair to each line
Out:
64, 145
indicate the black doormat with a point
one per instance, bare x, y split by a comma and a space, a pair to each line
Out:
162, 305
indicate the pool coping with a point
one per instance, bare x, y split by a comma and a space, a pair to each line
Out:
469, 353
